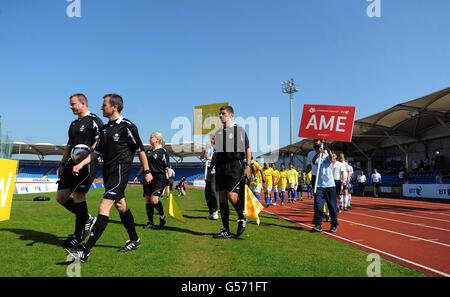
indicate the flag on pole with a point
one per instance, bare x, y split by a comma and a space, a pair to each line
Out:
252, 206
173, 211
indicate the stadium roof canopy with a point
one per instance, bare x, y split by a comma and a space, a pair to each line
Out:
417, 120
188, 149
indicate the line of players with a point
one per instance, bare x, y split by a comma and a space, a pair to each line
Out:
274, 184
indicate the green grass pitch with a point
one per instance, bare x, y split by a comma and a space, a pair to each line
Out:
276, 248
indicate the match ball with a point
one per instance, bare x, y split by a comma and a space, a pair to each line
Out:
79, 152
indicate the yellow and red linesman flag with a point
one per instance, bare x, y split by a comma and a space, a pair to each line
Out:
252, 206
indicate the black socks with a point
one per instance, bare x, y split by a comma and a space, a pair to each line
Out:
159, 208
81, 215
128, 222
97, 231
225, 214
150, 208
239, 207
69, 205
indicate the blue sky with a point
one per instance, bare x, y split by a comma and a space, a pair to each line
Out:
164, 57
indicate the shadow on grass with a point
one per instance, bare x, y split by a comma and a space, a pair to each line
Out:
35, 236
167, 228
42, 237
293, 227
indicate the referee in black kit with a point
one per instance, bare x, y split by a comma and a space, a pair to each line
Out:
84, 130
118, 142
232, 147
158, 163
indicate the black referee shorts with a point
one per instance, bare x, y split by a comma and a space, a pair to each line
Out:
338, 186
116, 179
229, 176
79, 184
156, 187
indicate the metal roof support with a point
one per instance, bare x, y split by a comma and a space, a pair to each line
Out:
443, 123
369, 159
400, 147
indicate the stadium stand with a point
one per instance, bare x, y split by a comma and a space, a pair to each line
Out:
47, 170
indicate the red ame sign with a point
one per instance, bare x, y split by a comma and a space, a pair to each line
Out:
327, 122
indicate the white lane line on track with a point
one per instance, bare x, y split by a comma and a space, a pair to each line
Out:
366, 246
404, 214
405, 203
403, 222
395, 213
380, 229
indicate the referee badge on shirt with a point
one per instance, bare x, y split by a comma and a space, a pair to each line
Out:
82, 128
116, 137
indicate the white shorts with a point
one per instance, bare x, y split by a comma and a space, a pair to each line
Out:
268, 188
275, 189
256, 188
292, 186
281, 189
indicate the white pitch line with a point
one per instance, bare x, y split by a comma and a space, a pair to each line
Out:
368, 247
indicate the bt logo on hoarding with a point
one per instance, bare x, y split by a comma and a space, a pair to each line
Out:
444, 192
417, 191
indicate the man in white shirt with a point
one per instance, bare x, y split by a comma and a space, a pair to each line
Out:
317, 143
376, 181
344, 181
362, 183
350, 175
337, 180
211, 192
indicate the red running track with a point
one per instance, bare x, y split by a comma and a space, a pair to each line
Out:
415, 234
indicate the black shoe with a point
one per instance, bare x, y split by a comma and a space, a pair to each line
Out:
333, 229
78, 253
130, 245
71, 241
88, 226
149, 226
223, 234
162, 221
317, 228
241, 226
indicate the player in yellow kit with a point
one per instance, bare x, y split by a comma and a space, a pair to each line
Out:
282, 183
276, 178
256, 179
293, 180
268, 182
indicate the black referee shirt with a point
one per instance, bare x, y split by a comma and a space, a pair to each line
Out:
119, 141
84, 131
158, 161
231, 144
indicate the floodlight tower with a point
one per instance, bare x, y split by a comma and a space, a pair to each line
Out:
288, 87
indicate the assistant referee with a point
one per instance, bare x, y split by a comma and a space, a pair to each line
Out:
158, 162
232, 148
119, 141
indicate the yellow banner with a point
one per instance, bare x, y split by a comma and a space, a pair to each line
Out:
206, 118
8, 169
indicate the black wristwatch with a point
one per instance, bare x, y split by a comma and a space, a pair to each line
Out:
147, 171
